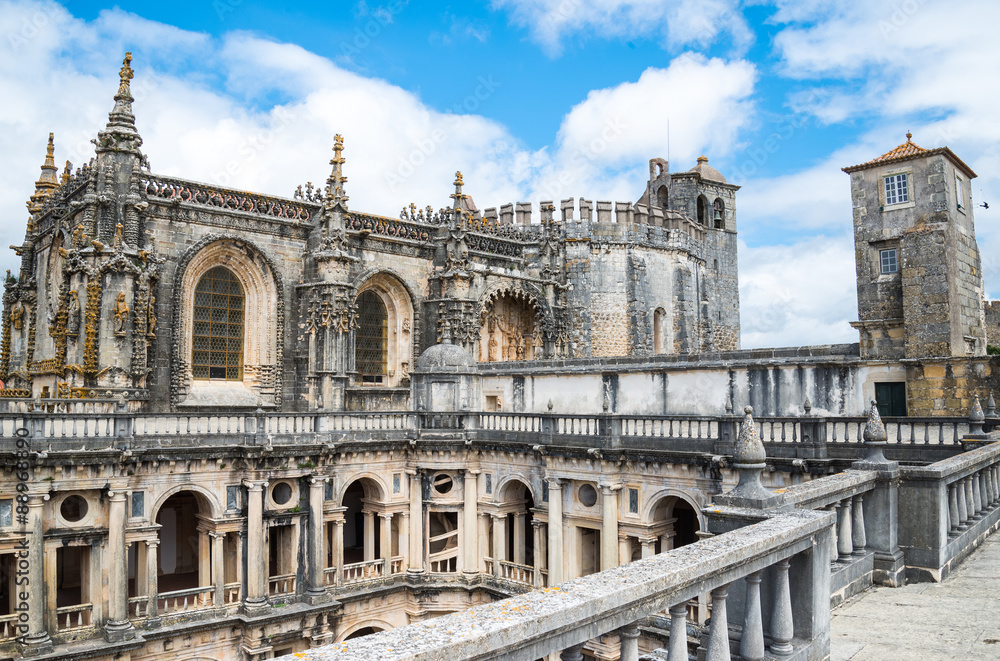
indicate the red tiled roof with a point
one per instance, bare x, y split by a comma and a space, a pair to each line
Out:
907, 151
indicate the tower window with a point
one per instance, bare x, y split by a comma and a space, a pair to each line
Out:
217, 351
959, 193
719, 213
897, 189
372, 339
888, 261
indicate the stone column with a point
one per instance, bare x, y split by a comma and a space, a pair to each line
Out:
624, 550
484, 535
520, 543
648, 547
338, 553
403, 530
119, 627
470, 516
574, 653
316, 591
218, 567
255, 600
37, 641
369, 535
499, 541
386, 543
536, 529
667, 541
152, 583
629, 637
416, 523
609, 527
555, 533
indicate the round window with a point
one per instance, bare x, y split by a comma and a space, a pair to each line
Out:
73, 508
588, 495
281, 493
442, 483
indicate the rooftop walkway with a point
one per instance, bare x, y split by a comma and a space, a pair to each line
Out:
958, 618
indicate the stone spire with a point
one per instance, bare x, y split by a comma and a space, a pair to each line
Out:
335, 195
976, 418
47, 182
120, 134
749, 458
458, 196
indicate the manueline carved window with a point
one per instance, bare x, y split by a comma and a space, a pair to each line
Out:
217, 346
371, 348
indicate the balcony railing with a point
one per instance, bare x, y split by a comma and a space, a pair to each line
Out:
69, 618
281, 585
183, 601
364, 571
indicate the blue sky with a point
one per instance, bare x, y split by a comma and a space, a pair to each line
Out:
532, 100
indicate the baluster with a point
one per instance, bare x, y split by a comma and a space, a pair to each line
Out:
977, 504
752, 640
927, 433
953, 519
834, 434
941, 433
718, 633
834, 544
678, 650
913, 439
859, 539
984, 497
782, 627
845, 536
991, 471
963, 508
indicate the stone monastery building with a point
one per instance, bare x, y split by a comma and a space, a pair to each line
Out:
237, 426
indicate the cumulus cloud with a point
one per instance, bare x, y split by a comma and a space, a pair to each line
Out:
798, 294
678, 23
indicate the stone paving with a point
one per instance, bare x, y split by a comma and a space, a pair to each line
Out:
956, 619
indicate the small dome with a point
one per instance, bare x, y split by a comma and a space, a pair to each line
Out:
707, 171
445, 356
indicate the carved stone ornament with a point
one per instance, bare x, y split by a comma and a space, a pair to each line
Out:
121, 315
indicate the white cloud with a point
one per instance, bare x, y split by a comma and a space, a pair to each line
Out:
799, 294
678, 23
601, 139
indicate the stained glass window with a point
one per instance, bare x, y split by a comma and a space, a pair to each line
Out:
370, 349
217, 342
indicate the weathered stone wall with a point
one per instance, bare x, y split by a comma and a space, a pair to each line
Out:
991, 311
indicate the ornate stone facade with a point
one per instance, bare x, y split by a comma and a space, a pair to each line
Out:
104, 305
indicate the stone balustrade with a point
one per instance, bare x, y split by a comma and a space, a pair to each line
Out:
785, 555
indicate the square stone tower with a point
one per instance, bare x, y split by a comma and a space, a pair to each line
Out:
920, 288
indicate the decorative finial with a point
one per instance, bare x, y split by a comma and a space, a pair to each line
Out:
126, 75
67, 173
874, 437
335, 194
702, 159
991, 408
47, 182
807, 406
976, 418
749, 458
909, 136
458, 196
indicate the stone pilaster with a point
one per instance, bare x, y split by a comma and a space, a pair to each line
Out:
119, 627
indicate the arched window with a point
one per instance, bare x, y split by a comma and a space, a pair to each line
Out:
371, 348
702, 210
719, 213
217, 342
658, 330
663, 197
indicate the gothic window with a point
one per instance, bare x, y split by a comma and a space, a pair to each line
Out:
217, 346
371, 346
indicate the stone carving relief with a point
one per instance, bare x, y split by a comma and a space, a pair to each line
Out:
73, 318
121, 315
509, 330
